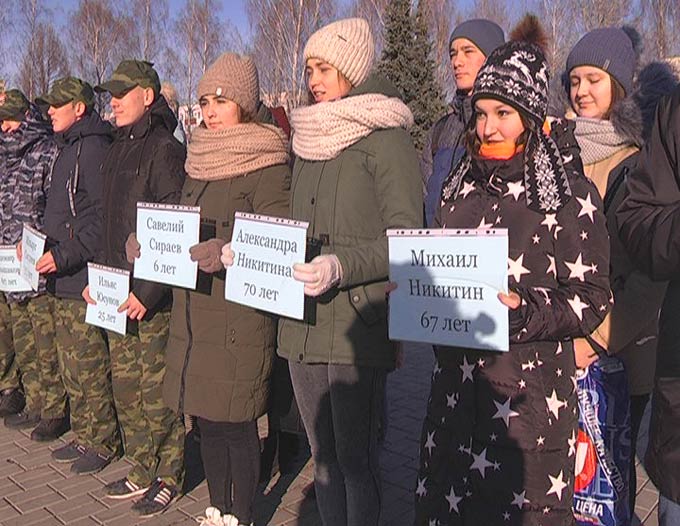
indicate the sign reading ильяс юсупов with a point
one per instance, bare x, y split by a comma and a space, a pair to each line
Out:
109, 288
447, 286
10, 276
265, 250
165, 234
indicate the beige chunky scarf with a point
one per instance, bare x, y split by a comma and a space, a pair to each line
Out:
321, 131
236, 150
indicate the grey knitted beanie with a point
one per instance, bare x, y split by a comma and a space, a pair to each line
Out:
235, 77
484, 34
609, 49
347, 45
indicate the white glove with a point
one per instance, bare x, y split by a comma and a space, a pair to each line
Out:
320, 275
227, 257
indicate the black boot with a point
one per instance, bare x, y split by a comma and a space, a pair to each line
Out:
12, 401
50, 429
22, 420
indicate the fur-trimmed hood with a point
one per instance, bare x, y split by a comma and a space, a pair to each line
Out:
654, 81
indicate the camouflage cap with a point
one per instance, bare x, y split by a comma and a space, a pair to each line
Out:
68, 89
131, 73
13, 105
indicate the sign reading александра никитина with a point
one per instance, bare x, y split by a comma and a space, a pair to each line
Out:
447, 285
265, 250
109, 287
165, 234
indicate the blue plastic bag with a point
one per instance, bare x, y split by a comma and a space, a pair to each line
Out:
603, 445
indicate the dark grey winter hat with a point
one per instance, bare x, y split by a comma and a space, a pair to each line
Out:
484, 34
611, 50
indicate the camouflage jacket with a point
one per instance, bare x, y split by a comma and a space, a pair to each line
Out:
25, 174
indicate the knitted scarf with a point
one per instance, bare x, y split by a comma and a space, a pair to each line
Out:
598, 139
323, 130
234, 151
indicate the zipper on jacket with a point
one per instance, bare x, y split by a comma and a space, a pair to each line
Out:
190, 338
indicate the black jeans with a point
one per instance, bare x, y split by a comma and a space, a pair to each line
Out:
341, 407
638, 403
231, 455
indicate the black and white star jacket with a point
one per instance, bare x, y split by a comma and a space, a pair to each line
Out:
499, 439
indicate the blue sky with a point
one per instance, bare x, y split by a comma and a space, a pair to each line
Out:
233, 10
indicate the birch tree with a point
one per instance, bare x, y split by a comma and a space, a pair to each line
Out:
280, 29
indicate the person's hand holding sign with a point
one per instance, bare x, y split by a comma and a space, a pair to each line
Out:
320, 275
511, 300
135, 309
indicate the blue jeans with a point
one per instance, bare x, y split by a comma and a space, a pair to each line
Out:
341, 407
669, 512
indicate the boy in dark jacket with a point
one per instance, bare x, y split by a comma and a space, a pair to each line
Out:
73, 229
28, 152
145, 163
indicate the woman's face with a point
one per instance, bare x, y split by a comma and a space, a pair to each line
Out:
590, 92
497, 122
219, 112
324, 81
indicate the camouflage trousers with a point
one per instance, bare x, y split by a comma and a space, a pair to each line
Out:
9, 373
86, 372
153, 435
36, 356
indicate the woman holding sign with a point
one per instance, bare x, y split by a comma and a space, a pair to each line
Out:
498, 441
356, 174
220, 354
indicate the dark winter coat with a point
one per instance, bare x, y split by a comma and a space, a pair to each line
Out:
145, 163
499, 435
219, 354
441, 152
349, 202
650, 221
29, 153
631, 327
73, 221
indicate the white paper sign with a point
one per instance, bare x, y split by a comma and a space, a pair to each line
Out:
447, 286
110, 288
10, 276
33, 246
265, 250
165, 233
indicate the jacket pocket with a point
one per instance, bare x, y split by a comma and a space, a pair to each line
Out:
369, 302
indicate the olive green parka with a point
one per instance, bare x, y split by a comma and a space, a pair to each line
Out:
350, 201
219, 354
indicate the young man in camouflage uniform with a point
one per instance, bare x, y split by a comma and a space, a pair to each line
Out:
73, 226
29, 152
12, 398
145, 163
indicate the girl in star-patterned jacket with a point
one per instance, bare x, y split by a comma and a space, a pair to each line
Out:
498, 440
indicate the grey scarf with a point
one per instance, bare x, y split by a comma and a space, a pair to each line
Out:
598, 139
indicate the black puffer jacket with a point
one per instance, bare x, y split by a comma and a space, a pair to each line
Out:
73, 212
650, 221
145, 163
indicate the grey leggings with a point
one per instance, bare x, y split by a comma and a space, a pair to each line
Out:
341, 407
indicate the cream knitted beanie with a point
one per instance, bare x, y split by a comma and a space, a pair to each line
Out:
346, 45
234, 77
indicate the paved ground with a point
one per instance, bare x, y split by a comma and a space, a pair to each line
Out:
34, 491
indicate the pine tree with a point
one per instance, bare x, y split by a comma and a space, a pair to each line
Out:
407, 61
428, 104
